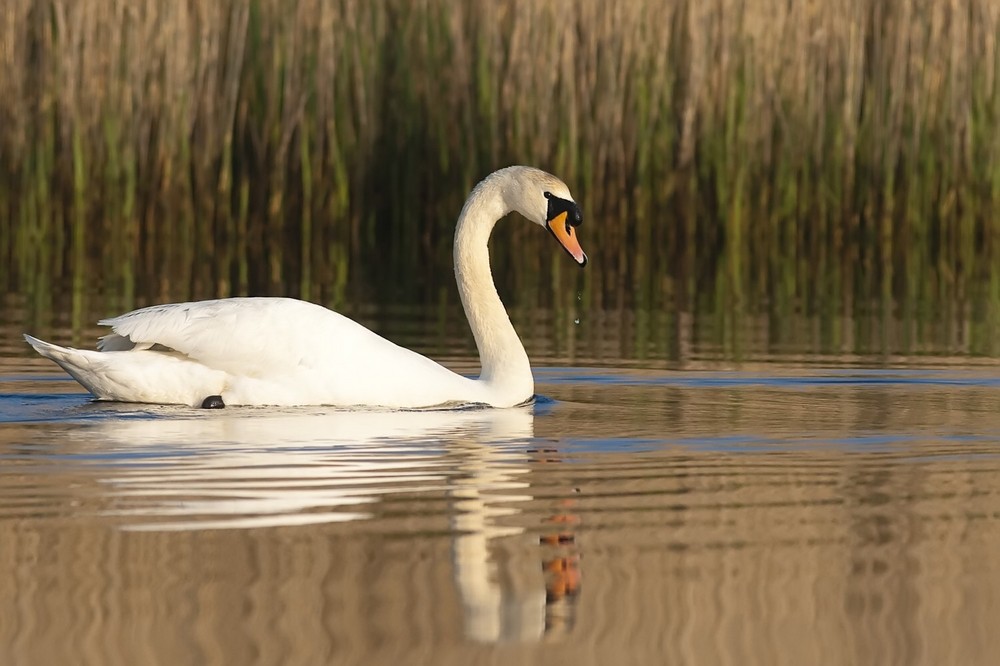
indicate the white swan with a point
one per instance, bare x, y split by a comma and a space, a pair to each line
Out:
282, 351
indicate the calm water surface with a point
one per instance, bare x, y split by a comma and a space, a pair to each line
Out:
792, 509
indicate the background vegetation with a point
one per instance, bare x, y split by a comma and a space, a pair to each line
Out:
734, 156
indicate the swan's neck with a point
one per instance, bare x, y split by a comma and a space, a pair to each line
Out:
505, 367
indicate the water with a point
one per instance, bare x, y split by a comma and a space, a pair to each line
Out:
698, 505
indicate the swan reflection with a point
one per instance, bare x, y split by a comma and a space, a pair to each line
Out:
270, 468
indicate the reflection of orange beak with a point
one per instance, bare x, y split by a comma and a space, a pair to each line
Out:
566, 235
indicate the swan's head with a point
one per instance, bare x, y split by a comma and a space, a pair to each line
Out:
546, 201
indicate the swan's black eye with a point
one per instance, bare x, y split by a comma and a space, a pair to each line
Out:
548, 195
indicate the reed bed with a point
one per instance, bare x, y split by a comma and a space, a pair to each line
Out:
730, 155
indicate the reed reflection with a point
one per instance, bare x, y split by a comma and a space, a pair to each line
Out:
264, 468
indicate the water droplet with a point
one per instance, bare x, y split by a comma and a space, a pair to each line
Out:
579, 296
577, 321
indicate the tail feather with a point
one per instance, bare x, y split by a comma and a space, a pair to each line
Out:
53, 352
137, 375
74, 361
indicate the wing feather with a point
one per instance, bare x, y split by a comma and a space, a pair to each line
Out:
292, 346
247, 336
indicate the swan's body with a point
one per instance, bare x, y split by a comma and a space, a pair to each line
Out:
256, 351
281, 351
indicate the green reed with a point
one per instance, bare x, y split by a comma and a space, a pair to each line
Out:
734, 156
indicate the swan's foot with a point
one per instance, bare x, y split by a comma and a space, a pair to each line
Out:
213, 402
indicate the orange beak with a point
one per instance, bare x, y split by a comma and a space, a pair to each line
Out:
565, 233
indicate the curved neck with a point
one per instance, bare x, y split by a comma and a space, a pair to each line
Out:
505, 366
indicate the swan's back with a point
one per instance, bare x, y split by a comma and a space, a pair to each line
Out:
250, 336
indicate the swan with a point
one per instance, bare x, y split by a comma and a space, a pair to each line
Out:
288, 352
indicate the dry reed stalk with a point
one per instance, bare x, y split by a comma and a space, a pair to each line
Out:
259, 145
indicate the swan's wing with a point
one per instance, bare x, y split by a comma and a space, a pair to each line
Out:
284, 351
247, 336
